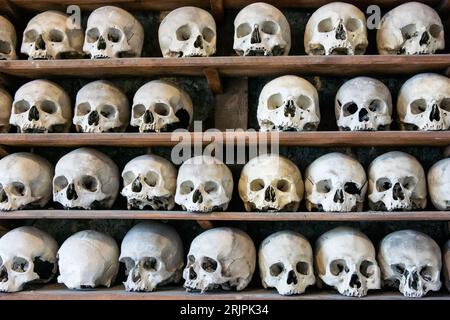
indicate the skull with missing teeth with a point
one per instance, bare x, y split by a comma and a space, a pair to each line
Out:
288, 103
260, 29
439, 184
5, 110
8, 40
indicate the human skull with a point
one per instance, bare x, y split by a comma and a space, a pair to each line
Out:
85, 178
88, 259
363, 103
410, 28
153, 256
411, 261
439, 184
260, 29
25, 181
8, 40
396, 182
52, 35
271, 183
446, 269
5, 110
149, 181
288, 103
41, 106
286, 263
345, 260
161, 106
101, 107
335, 182
220, 258
336, 28
424, 103
113, 33
187, 32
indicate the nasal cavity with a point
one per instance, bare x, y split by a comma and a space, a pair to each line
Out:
93, 118
3, 274
339, 196
354, 281
71, 192
397, 192
136, 186
289, 109
435, 114
198, 42
135, 275
148, 117
255, 38
33, 114
425, 38
340, 32
363, 115
101, 45
40, 43
292, 277
197, 197
3, 196
192, 274
269, 194
413, 281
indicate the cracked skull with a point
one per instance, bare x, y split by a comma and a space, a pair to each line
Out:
439, 184
85, 178
149, 182
410, 261
153, 255
187, 32
288, 103
410, 28
345, 260
363, 103
396, 182
335, 182
5, 110
220, 258
113, 33
8, 40
286, 263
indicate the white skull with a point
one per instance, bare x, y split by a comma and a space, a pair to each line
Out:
187, 32
396, 182
286, 263
288, 103
411, 261
161, 106
153, 256
113, 33
88, 259
446, 269
25, 181
345, 260
271, 182
27, 256
439, 184
5, 110
101, 107
8, 40
260, 29
410, 28
335, 182
220, 258
85, 178
41, 106
336, 28
424, 103
363, 103
149, 181
52, 35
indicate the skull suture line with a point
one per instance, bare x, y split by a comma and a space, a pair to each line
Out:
439, 184
8, 40
5, 110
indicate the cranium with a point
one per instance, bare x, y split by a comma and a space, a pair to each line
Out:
5, 110
8, 40
446, 269
439, 184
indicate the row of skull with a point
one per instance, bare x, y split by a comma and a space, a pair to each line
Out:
225, 258
88, 179
259, 29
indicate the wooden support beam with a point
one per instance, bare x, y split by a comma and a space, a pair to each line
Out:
232, 105
217, 10
214, 81
205, 224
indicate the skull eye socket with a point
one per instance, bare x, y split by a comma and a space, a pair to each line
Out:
383, 184
367, 268
138, 110
208, 34
326, 25
376, 105
409, 31
151, 178
275, 101
20, 264
48, 107
21, 106
426, 273
18, 189
5, 47
435, 30
323, 186
349, 108
353, 25
257, 185
114, 35
89, 183
302, 267
418, 106
129, 264
243, 30
211, 187
351, 188
60, 183
162, 109
209, 264
445, 104
30, 36
399, 268
150, 264
128, 177
191, 260
303, 102
56, 36
283, 185
92, 35
186, 187
83, 109
276, 269
183, 33
338, 266
108, 111
269, 27
408, 182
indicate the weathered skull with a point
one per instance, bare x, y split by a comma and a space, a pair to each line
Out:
204, 184
41, 106
5, 110
85, 178
335, 182
288, 103
260, 29
410, 28
153, 255
439, 184
345, 260
161, 106
187, 32
88, 259
286, 263
271, 183
52, 35
8, 40
113, 33
220, 258
424, 103
25, 181
27, 256
446, 269
363, 103
396, 182
101, 107
149, 181
411, 261
336, 28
